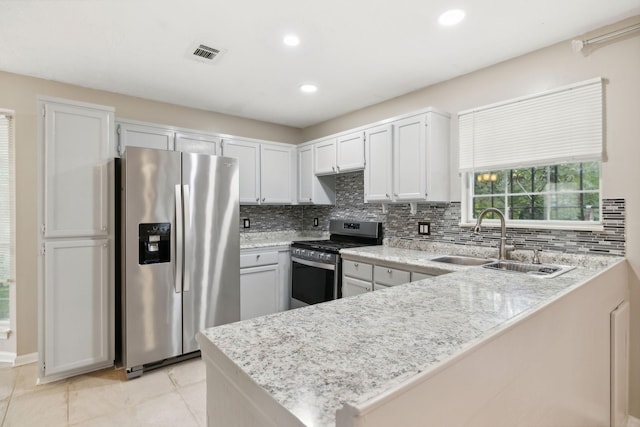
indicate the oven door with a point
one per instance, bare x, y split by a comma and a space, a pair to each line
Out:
312, 282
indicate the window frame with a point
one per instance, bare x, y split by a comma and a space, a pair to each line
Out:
468, 220
6, 324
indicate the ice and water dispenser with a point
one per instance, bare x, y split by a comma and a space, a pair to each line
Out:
154, 243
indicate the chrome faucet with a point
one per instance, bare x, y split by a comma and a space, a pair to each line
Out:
502, 255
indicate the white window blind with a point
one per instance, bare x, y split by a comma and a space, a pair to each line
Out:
557, 126
7, 199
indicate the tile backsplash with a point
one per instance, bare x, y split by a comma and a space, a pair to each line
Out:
399, 223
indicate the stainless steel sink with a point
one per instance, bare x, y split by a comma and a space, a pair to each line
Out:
546, 271
461, 260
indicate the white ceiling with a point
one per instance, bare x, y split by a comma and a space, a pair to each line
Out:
359, 52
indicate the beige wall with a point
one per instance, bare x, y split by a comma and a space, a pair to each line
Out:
19, 93
618, 61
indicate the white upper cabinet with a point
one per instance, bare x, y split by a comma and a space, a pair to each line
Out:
325, 157
421, 158
409, 159
342, 154
378, 172
276, 181
248, 155
137, 135
350, 152
188, 142
313, 189
77, 150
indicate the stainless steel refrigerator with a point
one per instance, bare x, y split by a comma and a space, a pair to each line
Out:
180, 259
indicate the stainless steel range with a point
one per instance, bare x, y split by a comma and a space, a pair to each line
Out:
316, 265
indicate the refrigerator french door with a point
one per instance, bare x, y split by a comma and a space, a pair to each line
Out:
181, 257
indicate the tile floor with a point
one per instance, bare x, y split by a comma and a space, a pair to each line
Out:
171, 396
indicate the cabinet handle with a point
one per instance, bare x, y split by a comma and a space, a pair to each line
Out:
263, 199
309, 198
257, 199
338, 168
333, 168
258, 256
104, 228
356, 265
386, 195
389, 270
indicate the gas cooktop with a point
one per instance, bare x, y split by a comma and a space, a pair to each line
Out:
345, 234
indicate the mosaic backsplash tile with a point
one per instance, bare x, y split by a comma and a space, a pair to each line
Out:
399, 223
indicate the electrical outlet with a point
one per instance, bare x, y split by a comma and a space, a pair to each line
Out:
315, 222
247, 223
424, 228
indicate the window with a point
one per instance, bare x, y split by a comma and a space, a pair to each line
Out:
7, 237
565, 192
536, 158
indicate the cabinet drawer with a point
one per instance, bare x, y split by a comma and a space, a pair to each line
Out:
420, 276
390, 276
256, 260
359, 270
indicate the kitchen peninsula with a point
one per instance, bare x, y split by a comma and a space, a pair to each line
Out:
473, 347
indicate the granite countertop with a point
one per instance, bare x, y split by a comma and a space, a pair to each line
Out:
277, 238
314, 359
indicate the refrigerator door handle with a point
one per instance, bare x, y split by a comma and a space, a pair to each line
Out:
179, 249
187, 235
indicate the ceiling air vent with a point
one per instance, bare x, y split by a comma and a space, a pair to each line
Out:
203, 53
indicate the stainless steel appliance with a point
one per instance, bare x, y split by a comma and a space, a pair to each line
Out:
180, 259
316, 265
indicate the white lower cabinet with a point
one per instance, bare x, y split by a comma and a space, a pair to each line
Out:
258, 291
351, 287
78, 300
264, 281
360, 277
384, 277
415, 276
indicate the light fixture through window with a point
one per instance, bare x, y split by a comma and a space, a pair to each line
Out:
308, 88
487, 177
291, 40
451, 17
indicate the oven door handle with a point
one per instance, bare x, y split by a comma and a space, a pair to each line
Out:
314, 264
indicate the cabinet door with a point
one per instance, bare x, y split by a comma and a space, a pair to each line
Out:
77, 150
259, 291
352, 287
409, 159
197, 143
325, 157
76, 312
377, 172
275, 174
133, 135
305, 174
248, 155
350, 152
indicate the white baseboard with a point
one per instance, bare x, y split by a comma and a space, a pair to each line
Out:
633, 422
7, 357
25, 359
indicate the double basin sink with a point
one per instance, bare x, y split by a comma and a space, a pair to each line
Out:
546, 271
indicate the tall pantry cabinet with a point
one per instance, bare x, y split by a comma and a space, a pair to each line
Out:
75, 212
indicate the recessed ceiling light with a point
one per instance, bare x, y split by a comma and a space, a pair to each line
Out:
308, 88
291, 40
451, 17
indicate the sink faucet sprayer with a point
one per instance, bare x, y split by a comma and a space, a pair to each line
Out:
503, 231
